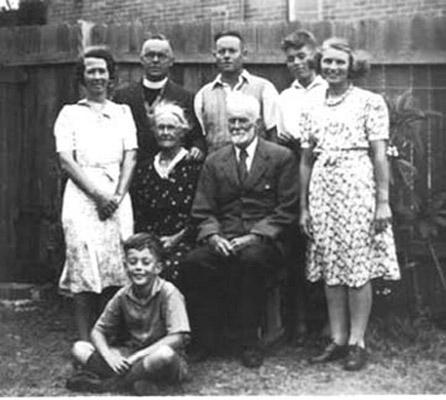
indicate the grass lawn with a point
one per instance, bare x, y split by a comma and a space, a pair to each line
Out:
405, 359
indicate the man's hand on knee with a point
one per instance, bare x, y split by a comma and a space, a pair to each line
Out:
221, 245
241, 242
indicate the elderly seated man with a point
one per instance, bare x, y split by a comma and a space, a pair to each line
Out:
246, 199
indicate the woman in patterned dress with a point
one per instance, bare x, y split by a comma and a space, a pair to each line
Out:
163, 188
96, 144
345, 209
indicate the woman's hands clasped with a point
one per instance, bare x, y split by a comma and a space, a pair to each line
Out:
106, 204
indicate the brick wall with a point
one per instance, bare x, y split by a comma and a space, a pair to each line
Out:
379, 9
171, 11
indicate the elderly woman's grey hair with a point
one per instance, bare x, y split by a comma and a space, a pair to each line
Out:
172, 109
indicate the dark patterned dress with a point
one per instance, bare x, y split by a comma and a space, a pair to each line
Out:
162, 206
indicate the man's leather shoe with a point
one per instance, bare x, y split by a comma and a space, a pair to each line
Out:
356, 358
252, 357
332, 352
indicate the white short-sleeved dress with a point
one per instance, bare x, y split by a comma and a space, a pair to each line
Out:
345, 249
94, 255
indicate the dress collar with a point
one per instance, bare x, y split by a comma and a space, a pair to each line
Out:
106, 110
164, 171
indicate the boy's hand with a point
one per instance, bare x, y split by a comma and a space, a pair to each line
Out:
117, 362
133, 358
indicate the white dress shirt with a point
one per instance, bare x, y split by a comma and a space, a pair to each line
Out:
250, 150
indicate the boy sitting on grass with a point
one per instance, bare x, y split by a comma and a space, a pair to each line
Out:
140, 337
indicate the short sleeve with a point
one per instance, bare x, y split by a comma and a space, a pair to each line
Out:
376, 118
64, 131
109, 321
176, 317
270, 99
198, 109
129, 129
305, 126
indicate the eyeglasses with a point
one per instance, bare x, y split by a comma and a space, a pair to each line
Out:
151, 55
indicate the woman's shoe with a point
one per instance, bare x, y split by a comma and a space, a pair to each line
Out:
332, 352
356, 358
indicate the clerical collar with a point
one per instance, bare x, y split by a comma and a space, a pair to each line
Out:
154, 85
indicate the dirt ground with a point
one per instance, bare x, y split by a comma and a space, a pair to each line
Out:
406, 358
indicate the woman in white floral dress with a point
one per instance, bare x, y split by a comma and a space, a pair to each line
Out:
345, 200
96, 144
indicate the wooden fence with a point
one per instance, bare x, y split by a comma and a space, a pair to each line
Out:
37, 78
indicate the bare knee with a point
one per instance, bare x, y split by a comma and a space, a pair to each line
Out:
162, 357
82, 351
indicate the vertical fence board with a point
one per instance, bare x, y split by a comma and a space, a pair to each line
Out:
30, 179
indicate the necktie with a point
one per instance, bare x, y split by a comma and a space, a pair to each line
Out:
242, 168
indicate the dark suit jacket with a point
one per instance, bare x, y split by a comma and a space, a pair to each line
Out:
266, 204
133, 95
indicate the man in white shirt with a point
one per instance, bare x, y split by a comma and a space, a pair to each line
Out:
210, 101
308, 87
300, 49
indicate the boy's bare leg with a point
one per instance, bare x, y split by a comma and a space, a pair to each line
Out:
163, 365
82, 351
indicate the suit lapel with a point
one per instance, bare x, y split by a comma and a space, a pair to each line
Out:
259, 164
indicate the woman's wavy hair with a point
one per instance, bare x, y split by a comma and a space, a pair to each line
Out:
171, 108
359, 64
101, 52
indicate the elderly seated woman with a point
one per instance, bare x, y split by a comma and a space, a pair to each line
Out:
163, 188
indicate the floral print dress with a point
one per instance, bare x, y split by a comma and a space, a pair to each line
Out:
94, 253
162, 206
345, 249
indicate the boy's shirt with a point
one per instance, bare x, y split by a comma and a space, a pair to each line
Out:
138, 323
294, 100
